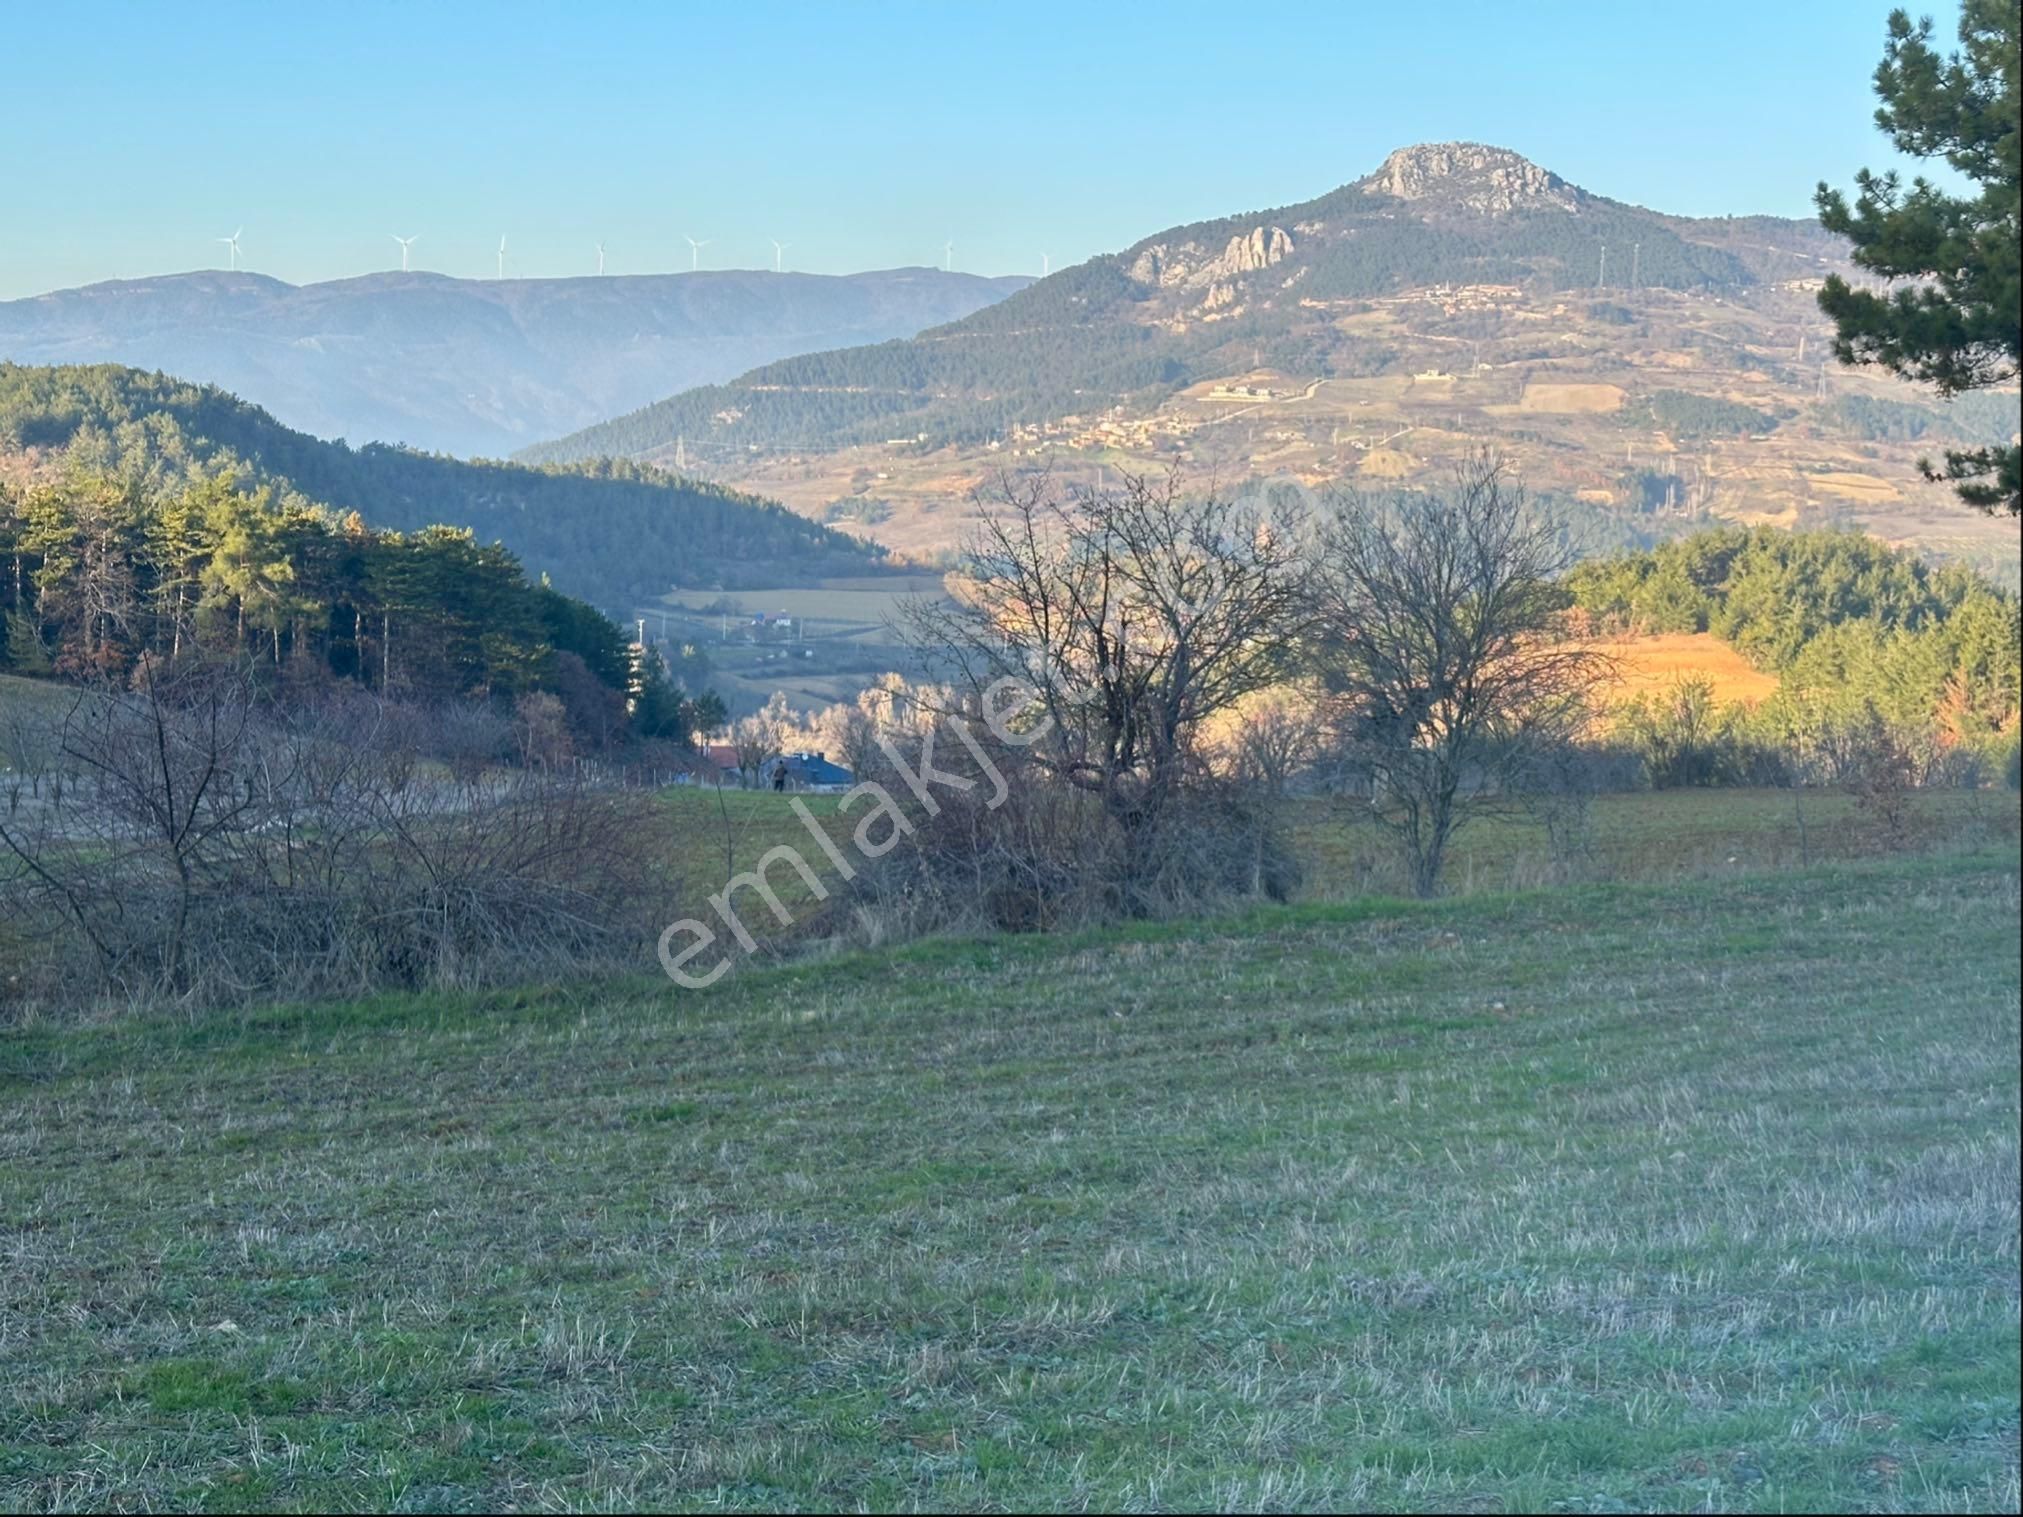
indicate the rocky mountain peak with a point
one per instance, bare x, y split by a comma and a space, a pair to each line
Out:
1490, 180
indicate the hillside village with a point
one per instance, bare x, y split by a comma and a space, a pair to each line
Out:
1555, 382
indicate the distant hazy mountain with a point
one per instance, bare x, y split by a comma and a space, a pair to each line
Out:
1262, 289
474, 366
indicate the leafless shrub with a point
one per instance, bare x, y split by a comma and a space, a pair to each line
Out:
1880, 767
1558, 786
467, 737
541, 731
1276, 741
1037, 861
1021, 852
28, 738
220, 849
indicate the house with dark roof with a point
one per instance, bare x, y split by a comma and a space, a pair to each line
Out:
805, 771
813, 771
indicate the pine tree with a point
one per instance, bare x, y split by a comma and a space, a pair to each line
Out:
1957, 326
26, 653
658, 711
249, 568
707, 713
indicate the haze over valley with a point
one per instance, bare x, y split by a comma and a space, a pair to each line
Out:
475, 367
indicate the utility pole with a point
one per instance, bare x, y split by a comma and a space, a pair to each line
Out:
1636, 252
1602, 277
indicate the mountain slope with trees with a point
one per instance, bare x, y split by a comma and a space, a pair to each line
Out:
1875, 649
104, 571
1203, 300
609, 533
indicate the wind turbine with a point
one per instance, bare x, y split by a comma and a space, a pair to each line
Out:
947, 257
1046, 265
600, 258
232, 248
502, 255
695, 252
779, 250
405, 244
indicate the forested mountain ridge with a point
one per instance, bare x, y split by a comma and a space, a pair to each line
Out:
610, 534
1260, 288
474, 367
1661, 369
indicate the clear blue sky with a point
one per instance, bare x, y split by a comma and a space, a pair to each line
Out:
135, 134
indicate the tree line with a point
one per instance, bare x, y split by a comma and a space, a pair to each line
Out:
102, 574
1871, 645
560, 521
1182, 660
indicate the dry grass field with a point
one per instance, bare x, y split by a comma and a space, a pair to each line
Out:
1865, 488
1696, 1196
1646, 665
1575, 399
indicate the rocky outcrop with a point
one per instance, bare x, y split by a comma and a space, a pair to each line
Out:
1246, 255
1154, 264
1491, 181
1189, 264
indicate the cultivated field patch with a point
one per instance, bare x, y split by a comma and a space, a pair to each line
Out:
1645, 665
1861, 487
1571, 398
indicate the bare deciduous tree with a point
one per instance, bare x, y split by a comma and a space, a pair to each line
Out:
1131, 615
541, 730
1277, 739
762, 736
1442, 639
848, 734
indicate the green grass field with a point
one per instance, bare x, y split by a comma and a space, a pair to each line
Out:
1649, 836
1699, 1195
43, 700
1640, 837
